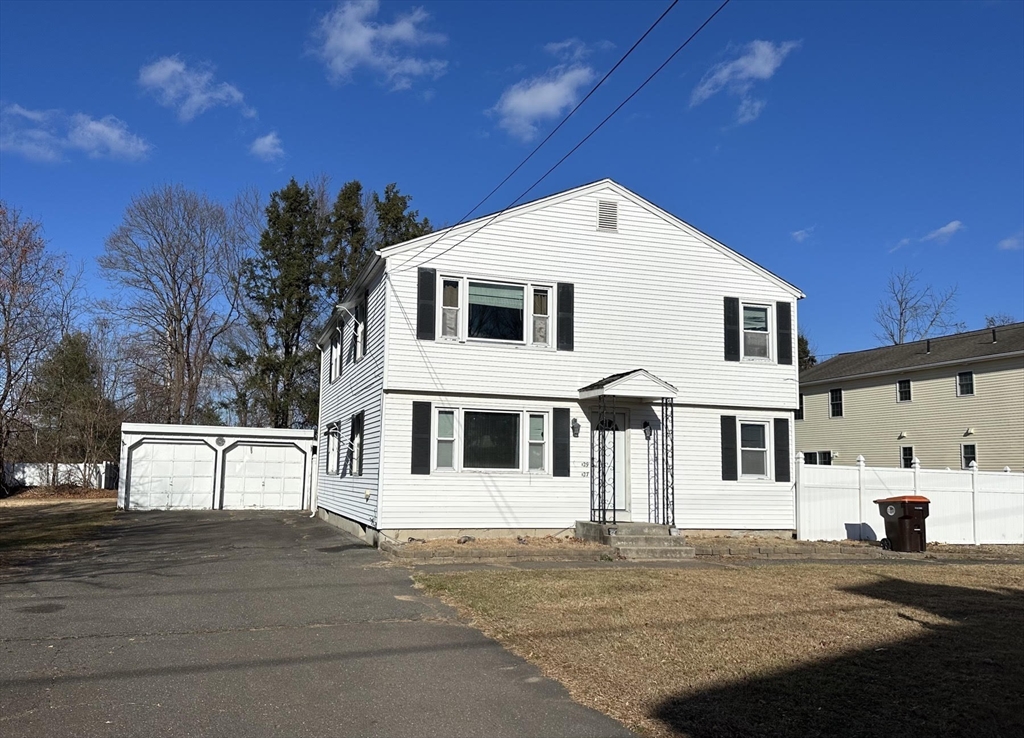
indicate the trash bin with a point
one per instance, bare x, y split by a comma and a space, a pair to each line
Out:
904, 522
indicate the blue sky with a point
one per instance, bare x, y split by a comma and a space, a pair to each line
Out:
830, 142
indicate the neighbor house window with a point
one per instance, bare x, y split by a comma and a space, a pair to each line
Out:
754, 449
537, 442
446, 439
822, 458
964, 384
835, 403
490, 440
541, 316
450, 308
800, 410
332, 449
755, 332
496, 311
968, 453
907, 457
355, 446
903, 390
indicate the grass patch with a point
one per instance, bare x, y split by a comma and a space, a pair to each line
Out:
797, 650
30, 530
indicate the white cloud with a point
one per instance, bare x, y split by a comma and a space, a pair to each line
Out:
523, 105
267, 148
759, 62
900, 244
942, 235
46, 135
348, 38
189, 90
1012, 243
803, 234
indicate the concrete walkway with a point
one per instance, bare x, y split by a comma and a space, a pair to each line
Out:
253, 624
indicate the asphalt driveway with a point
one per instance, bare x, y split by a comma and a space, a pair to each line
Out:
253, 624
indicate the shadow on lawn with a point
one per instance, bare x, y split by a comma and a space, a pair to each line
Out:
962, 678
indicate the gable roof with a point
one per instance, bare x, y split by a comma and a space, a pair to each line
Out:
469, 227
957, 348
635, 383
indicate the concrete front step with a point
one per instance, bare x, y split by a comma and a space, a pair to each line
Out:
661, 541
640, 553
606, 532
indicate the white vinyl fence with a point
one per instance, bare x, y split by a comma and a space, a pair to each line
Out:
40, 475
835, 503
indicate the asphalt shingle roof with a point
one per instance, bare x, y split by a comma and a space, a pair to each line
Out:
958, 347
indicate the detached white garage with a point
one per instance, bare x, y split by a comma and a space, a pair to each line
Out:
199, 467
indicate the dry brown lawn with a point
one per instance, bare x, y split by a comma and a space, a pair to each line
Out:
32, 528
548, 543
806, 650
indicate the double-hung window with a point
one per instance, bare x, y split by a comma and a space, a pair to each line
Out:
835, 403
965, 384
800, 410
334, 357
445, 439
756, 332
359, 332
968, 454
450, 309
538, 436
355, 446
332, 449
490, 440
541, 316
754, 449
496, 311
907, 457
903, 393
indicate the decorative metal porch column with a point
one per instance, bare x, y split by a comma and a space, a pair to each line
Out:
602, 464
668, 460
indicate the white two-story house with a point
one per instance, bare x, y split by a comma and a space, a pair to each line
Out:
586, 356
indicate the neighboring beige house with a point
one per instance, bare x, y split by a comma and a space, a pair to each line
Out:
946, 401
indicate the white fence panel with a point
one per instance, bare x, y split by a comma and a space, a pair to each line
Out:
836, 503
39, 475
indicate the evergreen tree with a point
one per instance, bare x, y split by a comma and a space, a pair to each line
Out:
395, 221
283, 284
805, 355
347, 250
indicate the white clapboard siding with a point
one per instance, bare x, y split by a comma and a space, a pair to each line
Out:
506, 499
358, 389
649, 295
703, 499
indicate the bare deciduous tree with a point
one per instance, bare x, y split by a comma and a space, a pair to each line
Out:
36, 309
173, 262
910, 311
994, 321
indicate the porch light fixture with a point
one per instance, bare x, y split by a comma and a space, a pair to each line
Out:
969, 432
901, 436
648, 431
575, 425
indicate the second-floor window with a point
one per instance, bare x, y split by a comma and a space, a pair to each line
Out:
903, 390
907, 457
800, 410
835, 403
756, 333
334, 357
965, 384
478, 310
359, 332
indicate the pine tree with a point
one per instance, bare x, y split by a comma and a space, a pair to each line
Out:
347, 250
805, 355
395, 221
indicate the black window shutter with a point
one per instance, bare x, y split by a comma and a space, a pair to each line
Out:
421, 438
781, 450
729, 470
784, 320
565, 317
732, 329
560, 440
425, 313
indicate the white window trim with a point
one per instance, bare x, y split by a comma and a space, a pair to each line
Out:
769, 460
898, 400
463, 321
458, 454
913, 456
964, 466
358, 333
842, 402
332, 450
334, 354
354, 442
974, 383
770, 359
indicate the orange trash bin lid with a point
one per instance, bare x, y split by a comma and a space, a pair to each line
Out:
903, 498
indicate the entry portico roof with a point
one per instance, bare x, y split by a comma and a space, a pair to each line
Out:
638, 383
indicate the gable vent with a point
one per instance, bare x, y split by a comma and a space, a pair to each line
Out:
607, 215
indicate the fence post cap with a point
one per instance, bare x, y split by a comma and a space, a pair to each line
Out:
1006, 469
916, 463
973, 465
860, 460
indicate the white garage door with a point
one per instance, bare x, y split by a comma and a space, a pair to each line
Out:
264, 477
173, 475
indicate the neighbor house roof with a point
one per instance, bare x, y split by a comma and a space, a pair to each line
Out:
957, 348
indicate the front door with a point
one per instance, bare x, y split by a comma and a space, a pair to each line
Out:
619, 430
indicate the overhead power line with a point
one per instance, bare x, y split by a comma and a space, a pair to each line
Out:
573, 150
